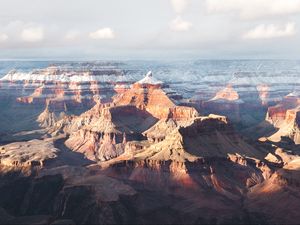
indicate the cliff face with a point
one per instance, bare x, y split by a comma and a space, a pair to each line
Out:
289, 127
191, 155
277, 114
50, 115
210, 136
206, 154
102, 132
155, 101
285, 117
95, 146
282, 186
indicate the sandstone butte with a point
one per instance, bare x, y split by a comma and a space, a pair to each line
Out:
148, 95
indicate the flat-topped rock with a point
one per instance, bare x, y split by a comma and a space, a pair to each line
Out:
27, 154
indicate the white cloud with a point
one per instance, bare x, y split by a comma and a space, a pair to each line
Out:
271, 31
72, 35
32, 34
251, 9
179, 5
3, 37
104, 33
179, 24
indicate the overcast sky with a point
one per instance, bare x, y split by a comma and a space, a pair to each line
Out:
149, 29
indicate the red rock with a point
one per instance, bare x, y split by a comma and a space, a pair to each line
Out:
277, 114
152, 98
227, 93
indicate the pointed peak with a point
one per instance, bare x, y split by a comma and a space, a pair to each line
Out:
149, 74
149, 79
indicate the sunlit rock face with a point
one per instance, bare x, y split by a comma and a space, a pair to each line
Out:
148, 94
227, 93
277, 114
189, 156
103, 132
283, 184
289, 127
226, 102
24, 155
285, 117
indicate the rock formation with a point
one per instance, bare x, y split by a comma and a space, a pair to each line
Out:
227, 93
277, 114
27, 154
99, 133
245, 98
289, 127
142, 155
226, 102
285, 117
148, 95
50, 115
282, 186
75, 88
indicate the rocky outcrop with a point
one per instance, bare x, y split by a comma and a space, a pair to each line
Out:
277, 114
27, 154
289, 127
102, 132
226, 102
49, 116
198, 145
148, 95
285, 117
227, 93
94, 146
210, 136
283, 186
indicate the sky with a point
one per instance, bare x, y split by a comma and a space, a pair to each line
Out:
149, 29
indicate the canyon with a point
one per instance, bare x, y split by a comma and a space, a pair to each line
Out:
98, 146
